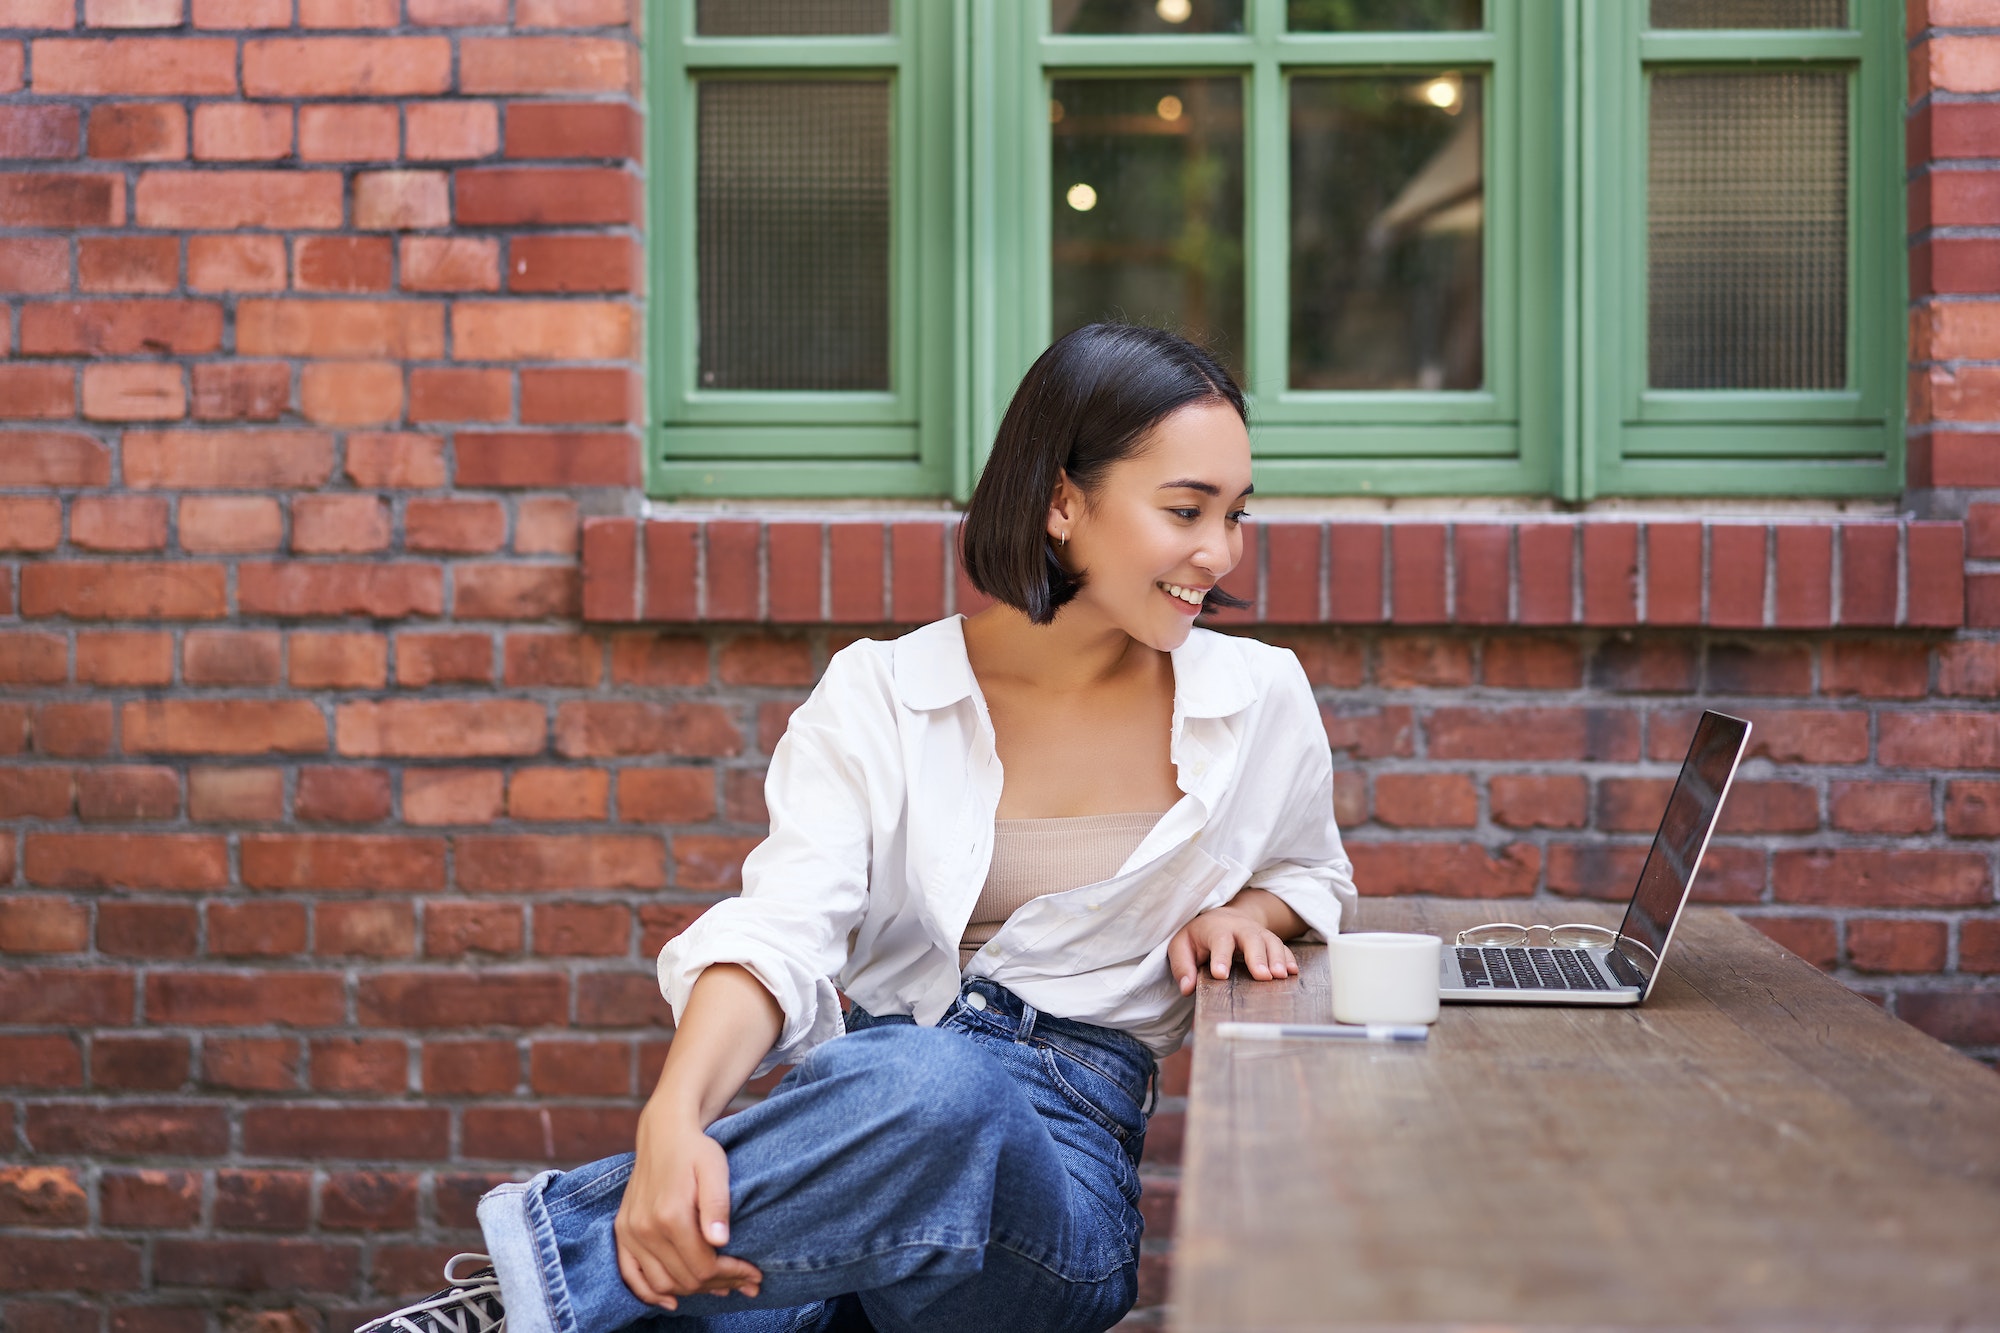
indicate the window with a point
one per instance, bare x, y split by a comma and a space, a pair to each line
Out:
1557, 247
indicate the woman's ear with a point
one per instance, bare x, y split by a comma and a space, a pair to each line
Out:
1064, 507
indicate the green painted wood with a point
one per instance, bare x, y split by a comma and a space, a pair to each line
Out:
807, 440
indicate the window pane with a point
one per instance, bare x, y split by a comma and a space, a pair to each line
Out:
790, 18
1747, 229
792, 228
1120, 16
1388, 223
1381, 15
1148, 199
1749, 13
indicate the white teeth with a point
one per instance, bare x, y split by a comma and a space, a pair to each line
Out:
1191, 596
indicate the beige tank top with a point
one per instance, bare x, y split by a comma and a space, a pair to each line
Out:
1036, 857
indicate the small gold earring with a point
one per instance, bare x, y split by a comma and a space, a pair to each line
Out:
1063, 540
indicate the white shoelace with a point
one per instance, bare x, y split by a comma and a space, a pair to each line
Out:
457, 1310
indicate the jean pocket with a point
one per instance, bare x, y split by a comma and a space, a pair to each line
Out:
1097, 1094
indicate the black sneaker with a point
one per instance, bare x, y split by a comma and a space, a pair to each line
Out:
471, 1304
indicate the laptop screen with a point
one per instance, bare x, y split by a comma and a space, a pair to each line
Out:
1683, 836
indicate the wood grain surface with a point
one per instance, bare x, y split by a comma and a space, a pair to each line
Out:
1753, 1147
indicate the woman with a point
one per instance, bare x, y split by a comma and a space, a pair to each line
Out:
1012, 840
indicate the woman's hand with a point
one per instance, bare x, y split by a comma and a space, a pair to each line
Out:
675, 1214
1244, 925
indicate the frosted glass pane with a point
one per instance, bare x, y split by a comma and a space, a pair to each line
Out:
1749, 13
1148, 206
790, 18
1075, 17
1747, 231
1388, 227
792, 226
1382, 15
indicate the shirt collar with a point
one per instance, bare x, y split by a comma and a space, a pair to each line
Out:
1211, 677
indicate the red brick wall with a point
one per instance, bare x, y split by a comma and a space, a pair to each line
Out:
340, 816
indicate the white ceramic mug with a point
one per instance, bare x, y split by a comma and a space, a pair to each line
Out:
1380, 977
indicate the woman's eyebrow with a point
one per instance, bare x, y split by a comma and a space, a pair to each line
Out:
1205, 487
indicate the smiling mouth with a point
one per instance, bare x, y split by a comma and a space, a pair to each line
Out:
1192, 596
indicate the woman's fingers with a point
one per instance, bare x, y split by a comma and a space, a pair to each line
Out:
1181, 958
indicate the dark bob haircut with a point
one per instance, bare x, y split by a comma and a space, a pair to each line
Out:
1087, 403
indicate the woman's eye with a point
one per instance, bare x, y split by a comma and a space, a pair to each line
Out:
1239, 516
1188, 514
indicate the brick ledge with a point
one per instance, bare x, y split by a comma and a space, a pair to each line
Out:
1563, 571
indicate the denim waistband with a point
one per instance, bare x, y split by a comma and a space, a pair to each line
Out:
999, 1011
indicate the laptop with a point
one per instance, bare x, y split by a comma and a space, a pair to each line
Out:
1623, 971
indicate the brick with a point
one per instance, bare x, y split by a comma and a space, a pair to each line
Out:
34, 264
133, 391
235, 795
30, 392
456, 927
260, 1265
263, 1200
855, 571
66, 996
126, 590
1426, 800
43, 925
1965, 1018
583, 930
40, 1060
365, 929
1875, 669
598, 396
1526, 663
348, 132
470, 1068
133, 13
543, 64
42, 1196
242, 132
558, 794
795, 571
1770, 807
1368, 733
127, 1129
373, 862
384, 591
229, 524
256, 929
516, 592
1458, 870
666, 795
458, 13
1886, 945
12, 61
547, 459
32, 1263
704, 862
580, 1068
496, 863
39, 132
339, 523
460, 526
440, 393
1547, 559
1972, 809
573, 263
440, 131
1626, 665
231, 726
328, 795
450, 264
1610, 573
1518, 734
134, 1063
34, 458
147, 930
435, 659
1979, 946
1800, 736
762, 659
351, 393
124, 657
241, 263
227, 460
1416, 661
33, 659
1939, 740
250, 1064
573, 130
1480, 572
401, 200
440, 728
1810, 937
150, 264
546, 196
1417, 577
138, 132
597, 729
451, 796
125, 794
395, 330
135, 66
341, 264
1531, 800
571, 13
561, 660
121, 328
227, 999
72, 730
348, 13
346, 66
395, 461
1759, 667
1804, 576
368, 1201
272, 200
661, 922
454, 1000
359, 1064
1871, 877
35, 792
1868, 573
154, 1199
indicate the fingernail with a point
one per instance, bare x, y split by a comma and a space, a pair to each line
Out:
718, 1233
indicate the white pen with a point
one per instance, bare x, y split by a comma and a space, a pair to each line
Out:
1346, 1031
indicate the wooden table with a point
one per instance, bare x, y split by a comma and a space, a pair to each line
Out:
1755, 1146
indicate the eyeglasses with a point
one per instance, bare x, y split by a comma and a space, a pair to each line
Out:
1507, 935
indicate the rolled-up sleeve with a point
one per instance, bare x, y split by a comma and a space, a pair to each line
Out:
1305, 865
805, 887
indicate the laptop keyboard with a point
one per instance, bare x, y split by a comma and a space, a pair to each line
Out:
1529, 969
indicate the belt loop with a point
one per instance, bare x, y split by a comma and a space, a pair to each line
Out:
1028, 1016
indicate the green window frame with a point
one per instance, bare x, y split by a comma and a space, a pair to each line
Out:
1564, 412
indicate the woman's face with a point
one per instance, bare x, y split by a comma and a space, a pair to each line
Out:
1164, 525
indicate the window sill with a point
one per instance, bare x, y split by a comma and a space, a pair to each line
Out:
884, 565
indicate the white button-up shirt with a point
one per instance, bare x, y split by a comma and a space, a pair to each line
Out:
882, 795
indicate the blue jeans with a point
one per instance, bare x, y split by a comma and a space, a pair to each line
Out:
982, 1174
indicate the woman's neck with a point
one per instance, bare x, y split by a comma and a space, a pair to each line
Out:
1076, 653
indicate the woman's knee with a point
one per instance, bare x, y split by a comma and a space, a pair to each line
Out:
924, 1076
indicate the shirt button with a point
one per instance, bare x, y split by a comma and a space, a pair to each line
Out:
975, 1001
